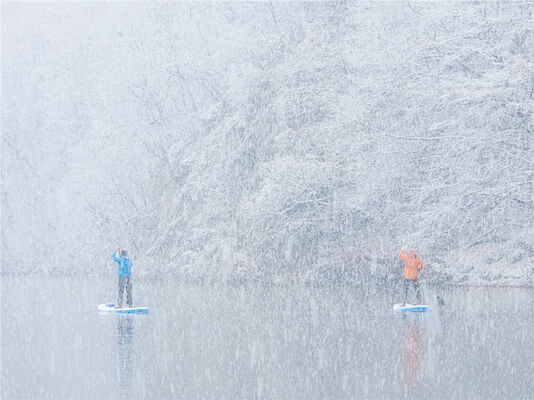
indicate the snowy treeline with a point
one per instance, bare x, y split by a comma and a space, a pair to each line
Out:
270, 140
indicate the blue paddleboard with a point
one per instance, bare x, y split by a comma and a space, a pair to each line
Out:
411, 307
110, 308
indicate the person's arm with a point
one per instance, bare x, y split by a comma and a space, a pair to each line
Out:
421, 264
114, 255
403, 256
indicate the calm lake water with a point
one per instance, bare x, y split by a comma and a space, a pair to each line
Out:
249, 341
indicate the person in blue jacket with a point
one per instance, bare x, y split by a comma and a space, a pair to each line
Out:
125, 273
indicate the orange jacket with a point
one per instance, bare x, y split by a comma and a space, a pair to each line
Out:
411, 265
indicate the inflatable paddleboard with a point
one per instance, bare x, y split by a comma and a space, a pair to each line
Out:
110, 308
411, 307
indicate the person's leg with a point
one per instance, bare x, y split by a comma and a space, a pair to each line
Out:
406, 284
417, 291
413, 284
129, 291
121, 290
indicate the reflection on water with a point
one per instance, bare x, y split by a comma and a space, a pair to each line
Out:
412, 355
125, 330
256, 341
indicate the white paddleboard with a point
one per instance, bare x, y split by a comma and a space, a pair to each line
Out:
110, 308
411, 307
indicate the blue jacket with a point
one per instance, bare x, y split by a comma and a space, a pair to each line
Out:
125, 265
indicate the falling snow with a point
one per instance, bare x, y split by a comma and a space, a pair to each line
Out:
263, 163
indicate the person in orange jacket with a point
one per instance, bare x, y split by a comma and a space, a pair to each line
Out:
412, 265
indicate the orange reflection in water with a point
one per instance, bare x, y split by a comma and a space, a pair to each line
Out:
412, 352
